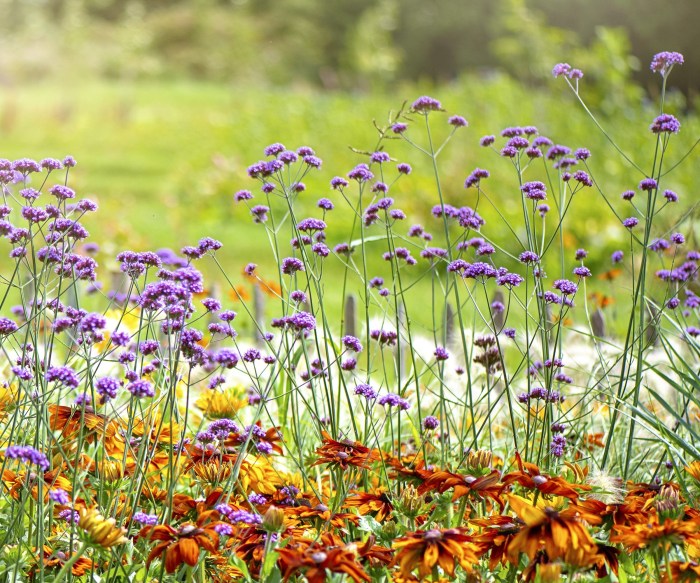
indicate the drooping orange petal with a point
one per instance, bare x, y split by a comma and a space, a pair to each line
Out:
172, 558
431, 555
189, 550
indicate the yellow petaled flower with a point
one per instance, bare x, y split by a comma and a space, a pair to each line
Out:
561, 534
221, 404
110, 471
212, 473
654, 534
101, 531
424, 550
260, 476
381, 503
694, 470
156, 429
678, 572
8, 398
549, 573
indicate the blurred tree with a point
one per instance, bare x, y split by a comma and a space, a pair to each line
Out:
342, 43
441, 38
526, 46
371, 53
652, 26
309, 39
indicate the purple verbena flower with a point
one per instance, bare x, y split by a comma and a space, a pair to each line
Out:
259, 213
107, 388
558, 445
28, 455
457, 121
325, 204
291, 265
475, 177
561, 69
63, 375
529, 257
430, 423
677, 238
366, 391
565, 286
648, 184
534, 190
7, 326
393, 400
659, 245
361, 173
59, 496
141, 388
145, 519
352, 343
441, 354
665, 123
379, 157
243, 195
670, 196
425, 104
663, 62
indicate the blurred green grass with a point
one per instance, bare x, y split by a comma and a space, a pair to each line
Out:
163, 159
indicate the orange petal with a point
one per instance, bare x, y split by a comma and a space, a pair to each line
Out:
189, 550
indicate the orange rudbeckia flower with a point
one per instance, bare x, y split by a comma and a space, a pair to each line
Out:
184, 544
529, 476
653, 533
485, 486
562, 535
314, 562
694, 470
366, 502
425, 550
413, 471
57, 559
497, 533
70, 420
678, 572
321, 513
14, 483
343, 454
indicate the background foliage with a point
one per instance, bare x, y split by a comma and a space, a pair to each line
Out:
352, 44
